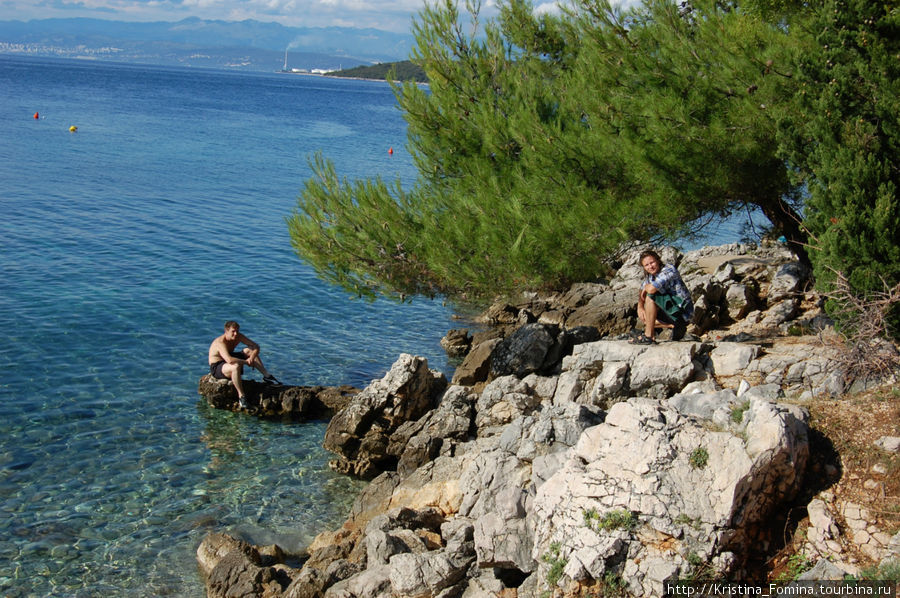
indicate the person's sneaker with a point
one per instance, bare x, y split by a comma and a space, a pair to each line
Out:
243, 403
270, 379
642, 340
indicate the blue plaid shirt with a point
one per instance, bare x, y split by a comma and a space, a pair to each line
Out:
669, 282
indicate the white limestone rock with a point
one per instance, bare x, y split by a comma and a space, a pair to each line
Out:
730, 359
663, 468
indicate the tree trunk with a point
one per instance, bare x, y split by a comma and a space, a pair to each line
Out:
789, 224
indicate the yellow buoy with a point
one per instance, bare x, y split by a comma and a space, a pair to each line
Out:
73, 128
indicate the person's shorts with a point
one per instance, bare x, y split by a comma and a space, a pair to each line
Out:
215, 369
670, 308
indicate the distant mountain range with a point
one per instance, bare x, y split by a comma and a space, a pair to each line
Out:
249, 45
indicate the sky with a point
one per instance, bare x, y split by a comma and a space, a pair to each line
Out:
388, 15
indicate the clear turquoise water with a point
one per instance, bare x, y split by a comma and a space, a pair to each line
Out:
123, 249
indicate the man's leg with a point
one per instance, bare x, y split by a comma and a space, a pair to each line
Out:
257, 363
234, 371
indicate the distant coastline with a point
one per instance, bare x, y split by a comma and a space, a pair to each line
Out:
404, 71
246, 45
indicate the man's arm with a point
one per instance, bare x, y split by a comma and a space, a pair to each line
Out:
254, 348
225, 354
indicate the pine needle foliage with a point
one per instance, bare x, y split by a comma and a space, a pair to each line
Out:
845, 139
507, 198
693, 92
546, 144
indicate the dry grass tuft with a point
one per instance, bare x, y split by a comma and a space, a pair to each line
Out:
864, 328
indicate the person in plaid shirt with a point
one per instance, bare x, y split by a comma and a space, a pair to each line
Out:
664, 301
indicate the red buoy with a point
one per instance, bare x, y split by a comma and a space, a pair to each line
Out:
391, 152
36, 115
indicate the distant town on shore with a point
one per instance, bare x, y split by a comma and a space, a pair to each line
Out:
246, 45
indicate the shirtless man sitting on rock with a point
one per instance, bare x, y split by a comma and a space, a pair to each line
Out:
225, 363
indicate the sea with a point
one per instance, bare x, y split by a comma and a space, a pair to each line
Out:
142, 207
124, 247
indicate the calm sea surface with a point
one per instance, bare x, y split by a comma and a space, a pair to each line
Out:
123, 249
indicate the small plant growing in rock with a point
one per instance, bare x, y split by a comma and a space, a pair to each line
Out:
886, 571
684, 519
699, 457
557, 563
700, 569
797, 564
738, 411
613, 584
590, 516
617, 519
795, 330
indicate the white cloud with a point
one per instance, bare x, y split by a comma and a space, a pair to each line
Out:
385, 14
203, 4
547, 8
392, 15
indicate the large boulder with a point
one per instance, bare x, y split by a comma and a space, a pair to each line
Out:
603, 372
360, 433
613, 311
651, 490
476, 367
523, 352
417, 442
457, 342
233, 567
789, 281
276, 400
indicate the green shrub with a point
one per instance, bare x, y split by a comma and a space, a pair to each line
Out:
699, 458
797, 564
738, 411
557, 563
887, 571
686, 520
618, 519
613, 584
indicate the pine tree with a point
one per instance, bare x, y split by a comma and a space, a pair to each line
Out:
694, 92
845, 137
547, 144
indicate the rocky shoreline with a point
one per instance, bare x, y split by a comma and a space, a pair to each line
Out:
563, 460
